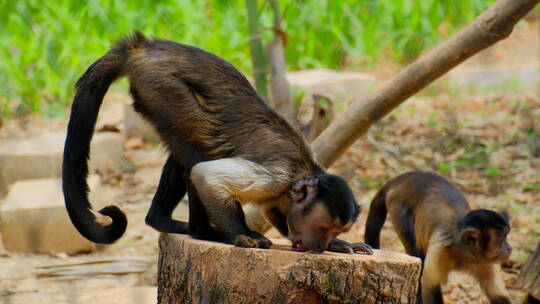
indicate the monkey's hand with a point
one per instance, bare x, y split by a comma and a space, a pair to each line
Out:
253, 240
342, 246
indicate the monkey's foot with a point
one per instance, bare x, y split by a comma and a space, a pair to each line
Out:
254, 240
169, 226
338, 245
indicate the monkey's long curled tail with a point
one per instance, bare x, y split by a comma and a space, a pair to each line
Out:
375, 220
91, 89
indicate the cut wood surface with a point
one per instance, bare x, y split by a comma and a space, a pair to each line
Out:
195, 271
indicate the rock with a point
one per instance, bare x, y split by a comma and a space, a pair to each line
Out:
335, 84
34, 219
111, 117
482, 78
136, 126
71, 295
194, 271
41, 157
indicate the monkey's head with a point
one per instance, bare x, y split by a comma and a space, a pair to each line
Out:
484, 233
321, 208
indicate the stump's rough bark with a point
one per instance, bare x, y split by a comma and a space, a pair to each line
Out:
194, 271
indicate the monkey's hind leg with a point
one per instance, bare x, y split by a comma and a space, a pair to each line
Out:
401, 219
171, 189
375, 220
199, 225
221, 185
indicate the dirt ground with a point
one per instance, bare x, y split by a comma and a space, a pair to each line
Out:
486, 140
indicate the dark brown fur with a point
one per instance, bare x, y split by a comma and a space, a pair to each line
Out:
434, 222
228, 147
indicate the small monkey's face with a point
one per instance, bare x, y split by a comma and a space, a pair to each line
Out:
497, 248
486, 236
310, 221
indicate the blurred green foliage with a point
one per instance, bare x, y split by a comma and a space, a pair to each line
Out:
45, 46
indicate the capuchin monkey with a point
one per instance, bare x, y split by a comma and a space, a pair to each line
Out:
434, 222
227, 148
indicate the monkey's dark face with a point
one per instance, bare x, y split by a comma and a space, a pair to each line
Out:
485, 234
312, 228
311, 222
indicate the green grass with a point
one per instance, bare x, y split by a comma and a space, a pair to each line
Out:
46, 46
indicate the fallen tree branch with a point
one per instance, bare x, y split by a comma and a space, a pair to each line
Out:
493, 25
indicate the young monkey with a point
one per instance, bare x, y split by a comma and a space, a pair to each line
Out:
434, 222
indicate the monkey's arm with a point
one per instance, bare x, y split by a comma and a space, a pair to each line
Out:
436, 266
337, 245
491, 283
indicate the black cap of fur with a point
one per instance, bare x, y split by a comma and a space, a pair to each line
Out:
482, 219
338, 197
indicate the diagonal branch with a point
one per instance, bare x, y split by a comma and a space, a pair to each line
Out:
493, 25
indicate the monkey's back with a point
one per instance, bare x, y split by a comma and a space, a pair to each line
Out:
204, 107
426, 200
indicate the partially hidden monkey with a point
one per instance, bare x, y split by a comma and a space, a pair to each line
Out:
434, 222
227, 148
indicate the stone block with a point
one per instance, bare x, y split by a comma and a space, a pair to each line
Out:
33, 218
335, 84
136, 126
41, 157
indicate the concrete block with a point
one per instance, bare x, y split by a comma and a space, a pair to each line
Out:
41, 157
335, 84
33, 218
136, 126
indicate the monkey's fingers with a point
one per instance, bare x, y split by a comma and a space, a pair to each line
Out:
254, 240
341, 246
362, 248
262, 241
245, 241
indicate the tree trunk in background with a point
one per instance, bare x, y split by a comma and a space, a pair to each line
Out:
194, 271
493, 25
257, 51
279, 86
529, 278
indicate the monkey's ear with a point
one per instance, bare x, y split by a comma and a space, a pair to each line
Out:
304, 190
470, 235
505, 216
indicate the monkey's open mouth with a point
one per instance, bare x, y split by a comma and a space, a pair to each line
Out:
298, 246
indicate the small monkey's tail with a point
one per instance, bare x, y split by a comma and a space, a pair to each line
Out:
90, 90
375, 221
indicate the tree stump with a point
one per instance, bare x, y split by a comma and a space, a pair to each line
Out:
195, 271
529, 278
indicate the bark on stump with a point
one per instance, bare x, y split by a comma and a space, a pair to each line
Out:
194, 271
529, 278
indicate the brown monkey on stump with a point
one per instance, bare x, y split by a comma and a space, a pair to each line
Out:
434, 222
227, 147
